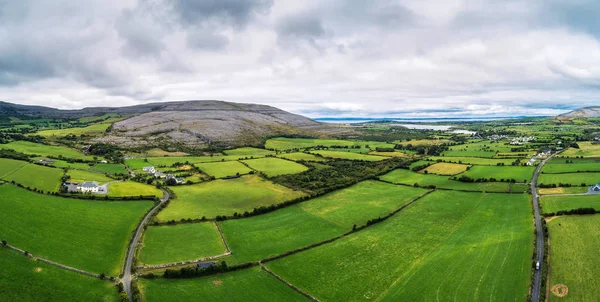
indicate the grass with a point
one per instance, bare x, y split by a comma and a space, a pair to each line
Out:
88, 235
272, 166
315, 220
96, 129
80, 176
252, 284
225, 197
295, 156
574, 179
451, 245
472, 160
156, 152
39, 177
223, 169
553, 204
169, 244
586, 149
64, 164
562, 190
109, 168
132, 188
45, 150
445, 169
518, 173
283, 143
24, 279
469, 153
347, 155
574, 245
571, 168
390, 154
8, 166
249, 151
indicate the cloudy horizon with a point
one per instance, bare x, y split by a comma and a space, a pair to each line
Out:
359, 58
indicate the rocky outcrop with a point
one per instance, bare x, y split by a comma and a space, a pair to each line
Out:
585, 112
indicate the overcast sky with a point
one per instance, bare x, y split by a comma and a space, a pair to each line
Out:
317, 58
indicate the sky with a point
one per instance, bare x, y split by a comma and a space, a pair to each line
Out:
355, 58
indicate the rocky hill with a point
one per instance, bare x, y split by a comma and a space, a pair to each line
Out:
585, 112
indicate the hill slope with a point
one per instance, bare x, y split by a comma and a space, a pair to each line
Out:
585, 112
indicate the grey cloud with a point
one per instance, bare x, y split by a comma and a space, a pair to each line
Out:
207, 40
230, 12
141, 34
304, 25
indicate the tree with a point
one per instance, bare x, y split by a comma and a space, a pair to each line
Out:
102, 276
171, 182
4, 243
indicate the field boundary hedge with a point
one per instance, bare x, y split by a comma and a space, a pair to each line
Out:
292, 286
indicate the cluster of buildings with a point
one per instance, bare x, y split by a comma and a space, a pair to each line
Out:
521, 140
545, 153
84, 187
152, 171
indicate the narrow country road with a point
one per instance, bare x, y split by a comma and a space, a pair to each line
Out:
537, 283
134, 242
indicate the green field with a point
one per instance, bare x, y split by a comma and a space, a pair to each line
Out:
586, 149
8, 166
35, 176
132, 188
45, 150
223, 169
574, 179
248, 151
553, 204
97, 129
225, 197
446, 246
518, 173
562, 190
472, 160
64, 164
88, 235
169, 244
445, 169
109, 168
469, 153
315, 220
137, 163
348, 155
283, 143
169, 161
571, 168
80, 176
252, 284
574, 245
24, 279
272, 166
300, 156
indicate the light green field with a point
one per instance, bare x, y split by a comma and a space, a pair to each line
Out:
137, 163
272, 166
169, 244
586, 149
282, 143
574, 245
315, 220
24, 279
252, 284
89, 119
169, 161
483, 145
445, 169
472, 160
571, 168
35, 176
553, 204
8, 166
519, 173
80, 176
223, 169
563, 190
225, 197
44, 150
249, 151
132, 188
63, 164
300, 156
447, 246
469, 153
109, 168
348, 155
88, 235
575, 179
97, 129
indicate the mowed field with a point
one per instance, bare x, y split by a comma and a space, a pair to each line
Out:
574, 179
109, 168
563, 190
446, 246
169, 244
225, 197
249, 151
295, 156
8, 166
79, 176
472, 160
315, 220
445, 169
272, 166
223, 169
586, 149
282, 143
96, 129
252, 284
574, 262
88, 235
132, 188
518, 173
577, 166
348, 155
35, 176
44, 150
553, 204
24, 279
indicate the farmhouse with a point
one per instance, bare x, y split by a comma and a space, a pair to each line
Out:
150, 170
127, 157
159, 174
596, 187
88, 187
206, 264
179, 180
46, 161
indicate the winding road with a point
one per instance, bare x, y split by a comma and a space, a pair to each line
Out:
134, 242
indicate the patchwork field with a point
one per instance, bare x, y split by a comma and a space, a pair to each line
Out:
249, 151
574, 245
272, 166
252, 284
445, 169
169, 244
574, 179
65, 164
445, 245
282, 143
223, 169
24, 279
169, 161
518, 173
132, 188
586, 149
553, 204
8, 166
97, 129
348, 155
469, 153
109, 168
44, 150
578, 166
300, 156
35, 176
563, 190
472, 160
88, 235
225, 197
79, 176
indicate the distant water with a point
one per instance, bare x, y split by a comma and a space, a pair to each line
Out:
356, 120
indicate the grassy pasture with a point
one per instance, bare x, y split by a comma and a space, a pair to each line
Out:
8, 166
168, 244
282, 143
169, 161
469, 153
272, 166
445, 169
472, 160
484, 145
225, 197
79, 176
97, 129
574, 245
88, 235
64, 164
249, 151
44, 150
137, 163
575, 179
223, 169
109, 168
562, 190
389, 154
571, 168
156, 152
132, 188
553, 204
36, 176
295, 156
24, 279
347, 155
89, 119
448, 245
252, 284
519, 173
419, 142
318, 219
586, 149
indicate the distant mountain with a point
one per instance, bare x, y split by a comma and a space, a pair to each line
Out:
585, 112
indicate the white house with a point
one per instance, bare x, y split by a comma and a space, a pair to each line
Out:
179, 180
150, 170
88, 187
159, 174
596, 187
